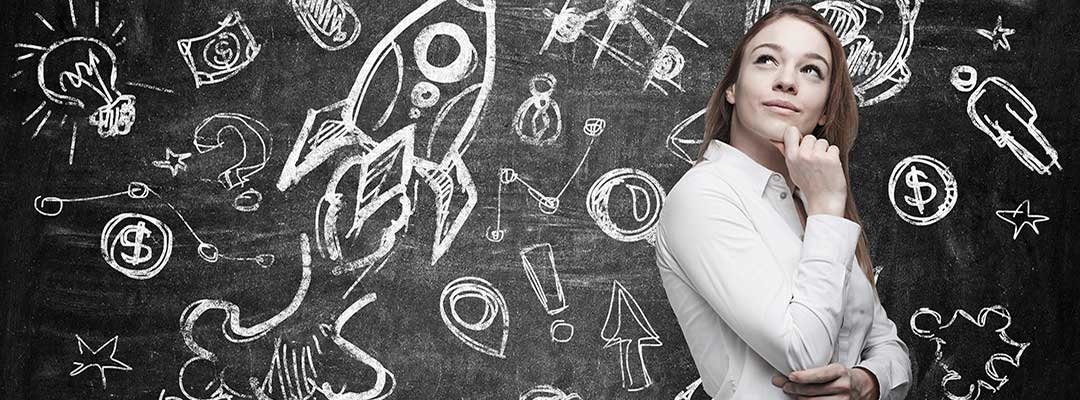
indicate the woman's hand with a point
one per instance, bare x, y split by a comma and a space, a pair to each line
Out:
814, 167
833, 381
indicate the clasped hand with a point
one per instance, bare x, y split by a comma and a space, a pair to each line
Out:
831, 382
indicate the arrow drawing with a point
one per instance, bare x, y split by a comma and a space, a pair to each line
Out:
623, 306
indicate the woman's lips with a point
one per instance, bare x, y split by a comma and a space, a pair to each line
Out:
781, 106
780, 110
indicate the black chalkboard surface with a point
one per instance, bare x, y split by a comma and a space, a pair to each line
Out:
342, 199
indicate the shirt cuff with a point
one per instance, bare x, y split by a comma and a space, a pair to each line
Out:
831, 239
873, 376
882, 370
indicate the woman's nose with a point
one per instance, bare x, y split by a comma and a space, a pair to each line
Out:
785, 82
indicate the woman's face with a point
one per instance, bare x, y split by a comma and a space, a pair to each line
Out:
783, 80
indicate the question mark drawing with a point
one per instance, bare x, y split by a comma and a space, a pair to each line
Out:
214, 132
234, 129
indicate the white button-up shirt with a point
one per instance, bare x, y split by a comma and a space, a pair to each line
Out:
756, 295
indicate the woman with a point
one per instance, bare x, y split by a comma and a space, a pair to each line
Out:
762, 284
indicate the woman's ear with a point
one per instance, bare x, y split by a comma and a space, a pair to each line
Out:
729, 94
821, 120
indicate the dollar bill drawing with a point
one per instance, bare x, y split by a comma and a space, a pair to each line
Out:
220, 54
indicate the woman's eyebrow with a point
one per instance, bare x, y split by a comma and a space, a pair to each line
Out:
777, 47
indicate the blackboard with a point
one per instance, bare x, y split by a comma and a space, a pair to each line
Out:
453, 199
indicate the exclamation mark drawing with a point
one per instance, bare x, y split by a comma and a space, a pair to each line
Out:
538, 261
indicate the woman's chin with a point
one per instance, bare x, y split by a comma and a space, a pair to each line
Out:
774, 130
771, 131
776, 137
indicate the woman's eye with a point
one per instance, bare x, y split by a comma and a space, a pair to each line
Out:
816, 70
767, 58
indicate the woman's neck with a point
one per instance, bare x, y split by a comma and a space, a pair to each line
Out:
768, 154
765, 152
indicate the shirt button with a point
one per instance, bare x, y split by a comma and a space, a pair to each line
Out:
775, 177
783, 195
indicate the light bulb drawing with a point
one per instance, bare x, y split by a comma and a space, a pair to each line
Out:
75, 67
81, 72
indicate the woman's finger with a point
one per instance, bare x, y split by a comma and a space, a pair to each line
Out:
819, 374
816, 389
833, 397
806, 148
821, 146
779, 380
791, 142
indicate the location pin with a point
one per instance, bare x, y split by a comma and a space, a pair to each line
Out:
495, 312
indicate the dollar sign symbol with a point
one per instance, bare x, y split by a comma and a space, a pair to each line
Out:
132, 236
913, 179
222, 52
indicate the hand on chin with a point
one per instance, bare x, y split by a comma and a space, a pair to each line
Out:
776, 139
779, 142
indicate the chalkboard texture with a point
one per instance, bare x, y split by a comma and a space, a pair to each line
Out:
442, 199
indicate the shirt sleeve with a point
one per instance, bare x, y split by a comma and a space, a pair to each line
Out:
886, 356
717, 251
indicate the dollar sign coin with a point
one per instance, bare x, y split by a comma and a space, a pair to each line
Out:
915, 171
141, 241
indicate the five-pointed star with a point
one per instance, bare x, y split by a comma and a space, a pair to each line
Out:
998, 35
110, 363
173, 162
1021, 216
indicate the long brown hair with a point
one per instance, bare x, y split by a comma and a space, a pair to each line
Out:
841, 111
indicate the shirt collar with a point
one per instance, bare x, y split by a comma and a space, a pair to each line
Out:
746, 172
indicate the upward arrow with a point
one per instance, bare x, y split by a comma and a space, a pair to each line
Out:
635, 376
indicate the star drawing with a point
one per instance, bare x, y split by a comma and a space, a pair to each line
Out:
174, 162
1021, 216
998, 35
98, 360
